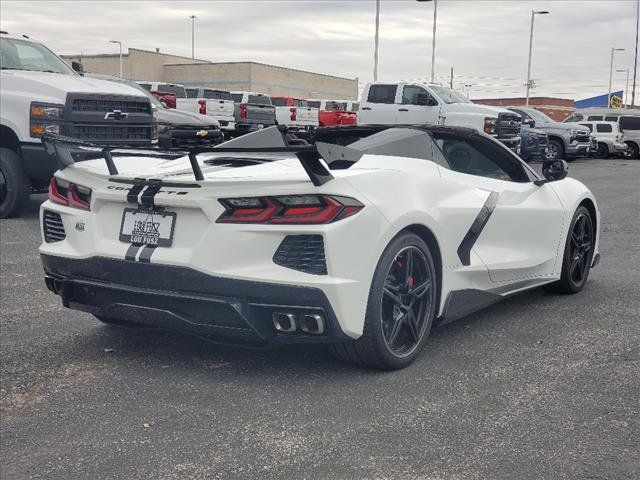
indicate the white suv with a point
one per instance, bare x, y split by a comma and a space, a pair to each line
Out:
610, 139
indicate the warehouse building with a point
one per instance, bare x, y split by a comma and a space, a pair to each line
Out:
252, 76
556, 108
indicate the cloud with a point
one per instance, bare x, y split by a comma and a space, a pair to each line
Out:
486, 42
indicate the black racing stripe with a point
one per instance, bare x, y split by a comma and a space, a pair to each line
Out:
145, 254
132, 195
132, 252
469, 240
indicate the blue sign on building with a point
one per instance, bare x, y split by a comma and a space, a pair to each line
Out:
599, 101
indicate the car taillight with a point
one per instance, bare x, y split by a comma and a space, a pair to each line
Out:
203, 107
70, 194
294, 114
289, 209
243, 111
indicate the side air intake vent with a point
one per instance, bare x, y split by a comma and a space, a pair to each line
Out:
302, 252
52, 227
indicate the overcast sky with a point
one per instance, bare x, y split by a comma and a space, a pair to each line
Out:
485, 41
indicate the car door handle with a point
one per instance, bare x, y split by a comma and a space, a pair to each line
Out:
366, 108
403, 109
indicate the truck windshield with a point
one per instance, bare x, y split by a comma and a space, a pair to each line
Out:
449, 96
177, 90
35, 57
538, 116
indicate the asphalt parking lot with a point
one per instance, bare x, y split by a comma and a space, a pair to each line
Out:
538, 387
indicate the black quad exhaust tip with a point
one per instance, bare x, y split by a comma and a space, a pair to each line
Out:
284, 322
312, 323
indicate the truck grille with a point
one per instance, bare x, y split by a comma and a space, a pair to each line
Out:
109, 119
106, 133
103, 105
302, 252
508, 125
52, 227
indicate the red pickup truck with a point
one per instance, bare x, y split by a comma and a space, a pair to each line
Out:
168, 99
333, 113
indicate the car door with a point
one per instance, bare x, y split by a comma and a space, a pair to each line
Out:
380, 106
417, 106
518, 232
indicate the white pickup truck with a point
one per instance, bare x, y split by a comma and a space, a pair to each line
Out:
206, 101
41, 94
296, 114
418, 103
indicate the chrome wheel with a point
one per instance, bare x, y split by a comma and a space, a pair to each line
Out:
407, 299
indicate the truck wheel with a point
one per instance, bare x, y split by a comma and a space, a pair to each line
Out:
634, 151
14, 184
602, 151
556, 150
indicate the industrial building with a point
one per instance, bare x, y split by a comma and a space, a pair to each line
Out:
556, 108
251, 76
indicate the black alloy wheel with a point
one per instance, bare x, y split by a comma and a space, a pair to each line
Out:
578, 253
406, 301
602, 151
401, 307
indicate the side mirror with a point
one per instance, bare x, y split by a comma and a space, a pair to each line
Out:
553, 170
78, 67
530, 122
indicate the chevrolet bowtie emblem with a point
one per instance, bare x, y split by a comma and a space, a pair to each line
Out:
201, 133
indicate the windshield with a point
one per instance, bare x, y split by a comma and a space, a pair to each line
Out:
538, 116
25, 55
449, 96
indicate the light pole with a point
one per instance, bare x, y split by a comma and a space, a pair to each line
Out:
120, 45
433, 41
533, 14
375, 49
626, 86
193, 27
613, 50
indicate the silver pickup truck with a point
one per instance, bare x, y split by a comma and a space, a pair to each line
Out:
253, 111
566, 140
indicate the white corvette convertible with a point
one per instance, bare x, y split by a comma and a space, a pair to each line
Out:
364, 240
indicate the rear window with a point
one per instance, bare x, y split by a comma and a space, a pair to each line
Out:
594, 118
217, 95
146, 86
299, 103
314, 104
259, 99
603, 128
177, 90
630, 123
237, 97
334, 106
611, 119
279, 102
192, 92
382, 94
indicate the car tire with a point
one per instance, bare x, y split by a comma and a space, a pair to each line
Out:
578, 253
556, 150
395, 332
15, 187
634, 150
602, 151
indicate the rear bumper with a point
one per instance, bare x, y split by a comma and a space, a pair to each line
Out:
185, 300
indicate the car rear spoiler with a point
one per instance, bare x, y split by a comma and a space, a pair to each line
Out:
68, 151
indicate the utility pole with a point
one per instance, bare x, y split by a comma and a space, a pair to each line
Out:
613, 50
451, 79
635, 61
529, 82
193, 27
375, 49
433, 43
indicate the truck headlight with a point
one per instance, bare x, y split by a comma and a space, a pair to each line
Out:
45, 118
490, 125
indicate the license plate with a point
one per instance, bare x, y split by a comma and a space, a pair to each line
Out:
147, 227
